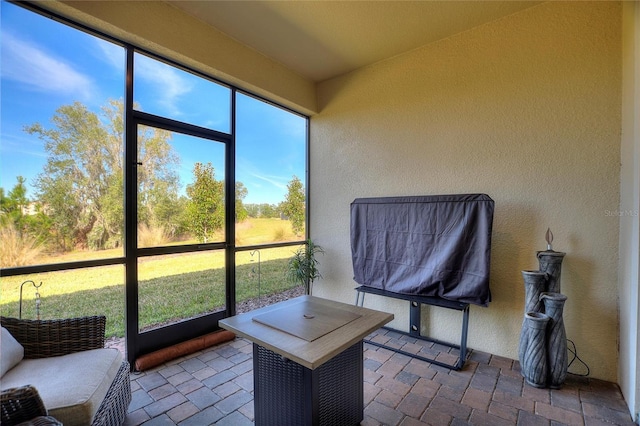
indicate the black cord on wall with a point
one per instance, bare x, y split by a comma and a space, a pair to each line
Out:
571, 347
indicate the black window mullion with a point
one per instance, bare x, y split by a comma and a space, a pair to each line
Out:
230, 216
179, 126
308, 184
131, 212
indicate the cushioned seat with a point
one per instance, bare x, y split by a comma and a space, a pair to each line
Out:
90, 372
63, 364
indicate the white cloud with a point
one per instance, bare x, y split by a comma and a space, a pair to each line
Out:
26, 63
170, 84
21, 144
277, 181
248, 170
263, 187
112, 54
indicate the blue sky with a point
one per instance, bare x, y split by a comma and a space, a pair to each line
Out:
46, 65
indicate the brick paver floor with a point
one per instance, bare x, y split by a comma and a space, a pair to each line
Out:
215, 386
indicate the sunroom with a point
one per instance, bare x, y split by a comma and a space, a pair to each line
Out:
533, 103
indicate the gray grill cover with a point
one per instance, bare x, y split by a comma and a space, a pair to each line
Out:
436, 245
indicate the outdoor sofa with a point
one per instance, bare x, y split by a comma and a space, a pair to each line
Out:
63, 364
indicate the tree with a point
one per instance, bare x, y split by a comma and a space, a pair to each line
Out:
14, 207
205, 207
4, 202
294, 205
262, 210
14, 204
241, 211
18, 195
158, 181
269, 210
74, 173
82, 183
22, 225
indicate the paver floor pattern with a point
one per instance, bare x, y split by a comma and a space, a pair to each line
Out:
215, 386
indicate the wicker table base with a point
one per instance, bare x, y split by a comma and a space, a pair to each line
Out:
287, 393
300, 378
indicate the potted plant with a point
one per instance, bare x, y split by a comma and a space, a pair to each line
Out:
303, 266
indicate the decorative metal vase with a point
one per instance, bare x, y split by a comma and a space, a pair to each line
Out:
535, 283
551, 262
534, 365
556, 339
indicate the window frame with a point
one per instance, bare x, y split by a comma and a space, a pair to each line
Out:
157, 338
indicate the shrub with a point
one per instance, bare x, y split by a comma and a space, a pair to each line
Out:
17, 249
279, 234
151, 236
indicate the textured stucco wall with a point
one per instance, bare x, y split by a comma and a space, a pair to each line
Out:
526, 109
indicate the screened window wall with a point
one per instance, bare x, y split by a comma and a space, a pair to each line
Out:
165, 204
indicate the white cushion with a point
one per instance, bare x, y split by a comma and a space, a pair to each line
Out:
72, 386
11, 351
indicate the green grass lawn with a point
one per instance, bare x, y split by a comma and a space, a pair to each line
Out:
170, 288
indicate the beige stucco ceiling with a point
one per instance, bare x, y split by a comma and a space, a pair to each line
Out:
323, 39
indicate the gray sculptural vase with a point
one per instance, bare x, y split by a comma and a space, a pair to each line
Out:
551, 262
534, 366
535, 283
556, 339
